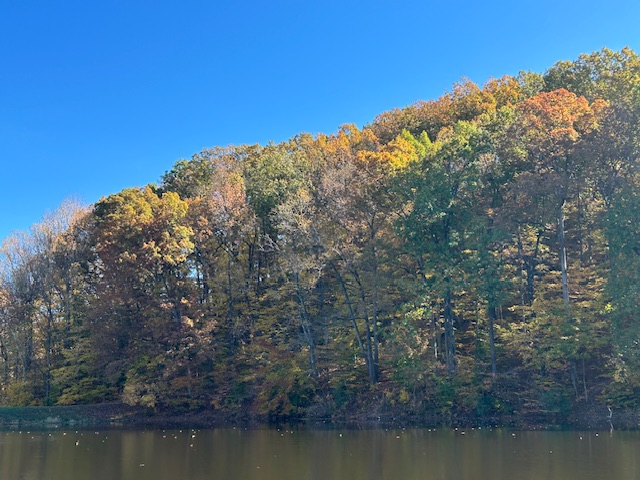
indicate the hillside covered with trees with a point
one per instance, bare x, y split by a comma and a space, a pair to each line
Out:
477, 255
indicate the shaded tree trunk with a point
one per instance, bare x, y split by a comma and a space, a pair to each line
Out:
449, 333
305, 320
563, 257
492, 316
364, 348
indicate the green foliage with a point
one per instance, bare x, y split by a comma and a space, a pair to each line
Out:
85, 391
192, 178
272, 174
76, 380
143, 385
286, 391
623, 289
20, 394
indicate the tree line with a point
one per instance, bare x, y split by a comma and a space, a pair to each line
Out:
475, 254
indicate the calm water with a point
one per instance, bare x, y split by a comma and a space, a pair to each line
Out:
270, 454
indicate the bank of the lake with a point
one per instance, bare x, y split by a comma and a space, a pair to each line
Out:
589, 417
71, 416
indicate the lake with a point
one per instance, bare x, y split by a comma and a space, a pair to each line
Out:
331, 454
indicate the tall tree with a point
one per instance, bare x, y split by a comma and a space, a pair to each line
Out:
440, 220
140, 276
547, 131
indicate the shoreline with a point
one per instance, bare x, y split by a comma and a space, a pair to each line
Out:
116, 415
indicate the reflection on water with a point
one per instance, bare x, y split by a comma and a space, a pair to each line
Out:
270, 454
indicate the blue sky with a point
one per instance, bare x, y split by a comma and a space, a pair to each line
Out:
99, 96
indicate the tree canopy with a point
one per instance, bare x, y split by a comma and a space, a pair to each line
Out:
476, 254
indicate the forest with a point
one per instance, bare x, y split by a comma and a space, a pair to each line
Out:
474, 255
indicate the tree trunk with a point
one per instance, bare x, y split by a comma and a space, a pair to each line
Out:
229, 288
563, 257
305, 320
374, 306
529, 265
5, 363
449, 335
366, 352
491, 314
47, 352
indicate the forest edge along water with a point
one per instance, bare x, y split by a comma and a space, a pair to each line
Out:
120, 415
472, 259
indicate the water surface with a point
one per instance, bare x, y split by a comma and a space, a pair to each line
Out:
299, 454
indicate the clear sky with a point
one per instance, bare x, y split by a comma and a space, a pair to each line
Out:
97, 96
